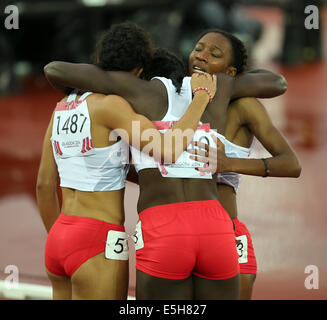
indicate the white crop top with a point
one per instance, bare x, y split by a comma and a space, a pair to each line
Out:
80, 165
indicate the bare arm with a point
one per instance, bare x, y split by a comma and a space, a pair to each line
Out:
65, 76
46, 187
283, 163
259, 84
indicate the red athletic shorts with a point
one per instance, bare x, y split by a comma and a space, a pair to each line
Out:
181, 239
247, 260
73, 240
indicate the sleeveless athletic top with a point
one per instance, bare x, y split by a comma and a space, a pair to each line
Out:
177, 105
184, 167
80, 165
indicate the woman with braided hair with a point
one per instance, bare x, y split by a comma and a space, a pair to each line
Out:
246, 118
185, 242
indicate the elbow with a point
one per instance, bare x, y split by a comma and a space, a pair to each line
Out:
296, 169
281, 84
45, 186
51, 70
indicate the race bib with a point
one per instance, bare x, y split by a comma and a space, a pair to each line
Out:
116, 245
242, 248
184, 167
71, 130
138, 237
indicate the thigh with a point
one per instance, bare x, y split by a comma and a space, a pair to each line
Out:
247, 281
61, 287
205, 289
153, 288
100, 278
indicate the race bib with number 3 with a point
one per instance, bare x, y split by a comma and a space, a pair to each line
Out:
116, 245
137, 237
242, 249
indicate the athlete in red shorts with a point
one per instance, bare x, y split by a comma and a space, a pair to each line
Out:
177, 240
86, 253
245, 250
216, 52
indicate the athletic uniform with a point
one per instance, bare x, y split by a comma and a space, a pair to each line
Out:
73, 240
247, 259
176, 240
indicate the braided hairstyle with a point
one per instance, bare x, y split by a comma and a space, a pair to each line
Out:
123, 47
240, 56
166, 64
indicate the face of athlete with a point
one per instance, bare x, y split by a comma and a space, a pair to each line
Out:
212, 54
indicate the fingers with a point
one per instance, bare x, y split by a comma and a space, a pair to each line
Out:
207, 168
199, 159
204, 169
199, 152
205, 146
203, 150
202, 145
206, 78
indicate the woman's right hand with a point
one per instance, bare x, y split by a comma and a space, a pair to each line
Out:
204, 80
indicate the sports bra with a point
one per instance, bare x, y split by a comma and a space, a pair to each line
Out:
81, 166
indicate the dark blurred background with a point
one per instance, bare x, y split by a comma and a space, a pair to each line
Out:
67, 30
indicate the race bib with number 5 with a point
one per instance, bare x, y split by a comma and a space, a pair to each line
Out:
116, 245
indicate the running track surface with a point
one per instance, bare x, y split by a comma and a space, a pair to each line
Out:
286, 217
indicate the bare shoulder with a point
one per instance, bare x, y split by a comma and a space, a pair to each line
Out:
248, 106
106, 105
158, 90
97, 99
245, 102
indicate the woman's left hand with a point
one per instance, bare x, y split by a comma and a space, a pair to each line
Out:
214, 158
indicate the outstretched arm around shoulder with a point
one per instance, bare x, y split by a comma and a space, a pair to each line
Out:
64, 76
259, 84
